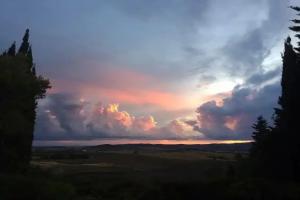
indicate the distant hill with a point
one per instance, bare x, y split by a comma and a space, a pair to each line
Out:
233, 148
240, 147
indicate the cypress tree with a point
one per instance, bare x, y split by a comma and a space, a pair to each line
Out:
32, 104
283, 162
283, 115
18, 102
12, 49
29, 56
25, 44
293, 108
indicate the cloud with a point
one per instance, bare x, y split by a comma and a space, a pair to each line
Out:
145, 54
65, 116
60, 114
206, 80
232, 118
261, 78
178, 129
126, 87
108, 119
189, 10
242, 56
246, 53
242, 43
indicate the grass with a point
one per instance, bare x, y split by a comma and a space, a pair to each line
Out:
139, 175
157, 164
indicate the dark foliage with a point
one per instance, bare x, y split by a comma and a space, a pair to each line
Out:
20, 89
25, 44
260, 137
12, 50
283, 162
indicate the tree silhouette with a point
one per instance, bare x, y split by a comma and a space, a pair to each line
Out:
284, 162
296, 27
12, 50
294, 109
25, 44
286, 122
20, 89
260, 136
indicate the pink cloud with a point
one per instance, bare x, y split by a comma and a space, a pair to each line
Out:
110, 118
80, 119
130, 90
144, 123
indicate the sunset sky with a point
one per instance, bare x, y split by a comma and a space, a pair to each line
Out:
141, 70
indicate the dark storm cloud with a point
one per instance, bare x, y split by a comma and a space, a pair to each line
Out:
247, 53
233, 119
260, 78
243, 46
257, 44
59, 118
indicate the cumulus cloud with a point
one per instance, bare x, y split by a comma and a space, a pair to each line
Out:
232, 118
243, 55
178, 129
64, 116
108, 119
173, 41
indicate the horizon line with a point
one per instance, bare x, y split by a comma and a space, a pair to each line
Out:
41, 143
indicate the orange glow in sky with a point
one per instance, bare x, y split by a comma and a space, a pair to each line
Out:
134, 141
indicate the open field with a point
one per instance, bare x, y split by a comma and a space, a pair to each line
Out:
142, 164
141, 172
177, 164
133, 173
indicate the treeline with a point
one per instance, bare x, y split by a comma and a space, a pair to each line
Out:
20, 88
276, 149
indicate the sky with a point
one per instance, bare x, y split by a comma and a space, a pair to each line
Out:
139, 70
